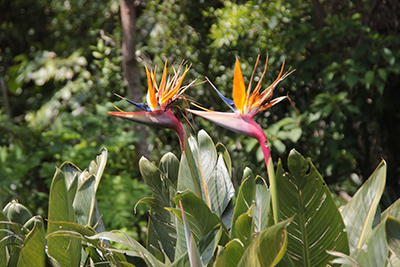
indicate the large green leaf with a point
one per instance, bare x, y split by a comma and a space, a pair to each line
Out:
12, 238
86, 202
65, 250
161, 187
244, 198
393, 235
202, 167
344, 259
268, 248
33, 250
199, 216
317, 225
220, 260
208, 244
3, 234
97, 167
359, 213
169, 165
126, 240
71, 174
83, 199
244, 227
261, 204
393, 210
161, 227
193, 252
374, 251
206, 248
233, 252
227, 158
87, 235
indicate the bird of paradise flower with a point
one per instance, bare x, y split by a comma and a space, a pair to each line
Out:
157, 109
245, 105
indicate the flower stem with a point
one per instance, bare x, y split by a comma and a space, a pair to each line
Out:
272, 181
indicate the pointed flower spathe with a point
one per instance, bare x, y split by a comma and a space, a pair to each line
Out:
160, 97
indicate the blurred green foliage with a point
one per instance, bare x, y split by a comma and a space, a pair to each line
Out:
61, 63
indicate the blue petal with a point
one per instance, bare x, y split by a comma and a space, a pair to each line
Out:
143, 106
228, 101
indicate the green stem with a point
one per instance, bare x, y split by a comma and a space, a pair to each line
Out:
272, 181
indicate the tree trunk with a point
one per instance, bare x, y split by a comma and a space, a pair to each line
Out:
319, 13
128, 20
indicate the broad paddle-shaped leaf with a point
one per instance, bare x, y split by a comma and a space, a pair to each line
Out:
359, 213
317, 225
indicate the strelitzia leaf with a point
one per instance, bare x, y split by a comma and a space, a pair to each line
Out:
220, 261
3, 234
244, 198
262, 200
317, 225
206, 247
200, 218
227, 158
209, 173
359, 213
83, 200
268, 248
64, 250
71, 174
126, 240
343, 259
233, 252
33, 250
243, 229
374, 251
169, 165
393, 235
161, 228
392, 210
194, 256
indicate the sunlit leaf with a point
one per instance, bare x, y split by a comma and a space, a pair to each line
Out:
33, 250
374, 251
161, 227
303, 193
393, 235
65, 250
214, 179
359, 213
193, 252
233, 252
268, 248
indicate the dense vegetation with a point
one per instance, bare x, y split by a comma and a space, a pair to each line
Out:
61, 63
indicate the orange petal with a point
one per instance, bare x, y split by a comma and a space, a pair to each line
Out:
163, 81
253, 100
151, 95
176, 86
267, 94
239, 90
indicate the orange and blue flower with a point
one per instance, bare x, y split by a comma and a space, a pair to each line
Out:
157, 109
245, 104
